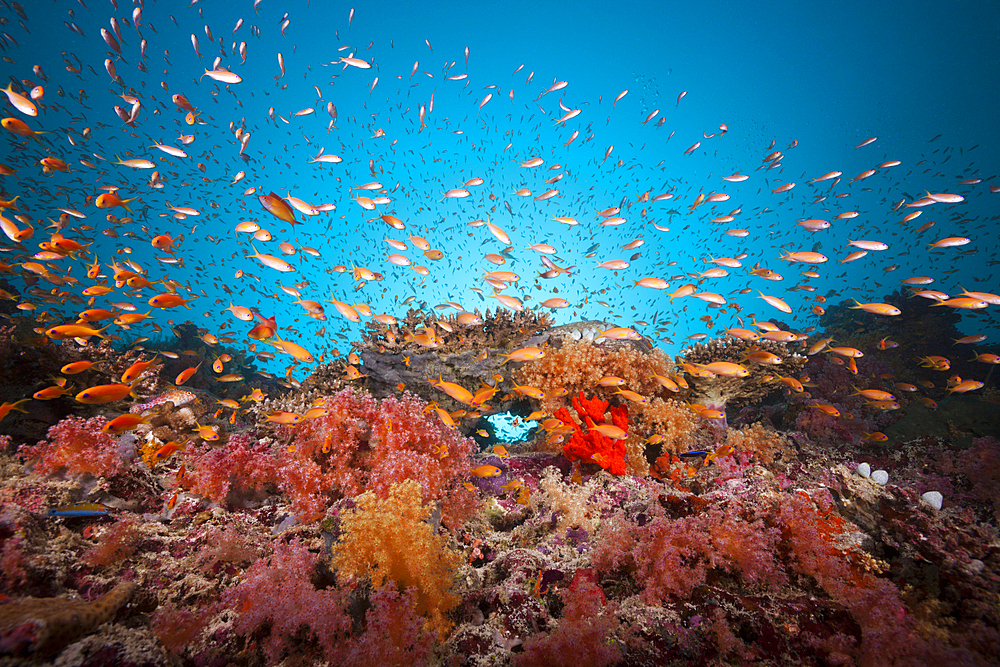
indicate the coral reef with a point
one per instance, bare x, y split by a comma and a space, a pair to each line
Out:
499, 329
720, 391
324, 523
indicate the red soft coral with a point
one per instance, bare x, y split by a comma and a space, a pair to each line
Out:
77, 446
586, 631
592, 407
241, 466
589, 445
394, 633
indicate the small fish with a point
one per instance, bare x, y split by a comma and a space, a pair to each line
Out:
696, 452
80, 510
178, 397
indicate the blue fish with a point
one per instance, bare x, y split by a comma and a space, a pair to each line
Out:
80, 510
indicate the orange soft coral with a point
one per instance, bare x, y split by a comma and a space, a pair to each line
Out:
578, 366
763, 443
675, 424
390, 540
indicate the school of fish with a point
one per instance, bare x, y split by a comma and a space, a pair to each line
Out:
214, 179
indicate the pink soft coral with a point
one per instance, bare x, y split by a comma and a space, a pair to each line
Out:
77, 446
669, 558
281, 596
359, 444
887, 630
362, 444
240, 466
116, 543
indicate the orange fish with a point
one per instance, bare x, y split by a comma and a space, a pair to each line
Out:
50, 164
278, 207
266, 329
16, 405
186, 374
135, 370
73, 331
55, 391
523, 354
126, 422
207, 433
282, 417
876, 308
169, 300
111, 200
104, 393
78, 367
167, 450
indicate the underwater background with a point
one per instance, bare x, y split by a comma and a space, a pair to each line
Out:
517, 333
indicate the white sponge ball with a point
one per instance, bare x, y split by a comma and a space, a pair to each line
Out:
933, 498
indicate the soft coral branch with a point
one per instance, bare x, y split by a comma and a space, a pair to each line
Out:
77, 446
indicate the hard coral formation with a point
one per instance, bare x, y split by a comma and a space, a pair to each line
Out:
176, 416
719, 391
497, 329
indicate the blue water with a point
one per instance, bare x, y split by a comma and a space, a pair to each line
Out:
812, 81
